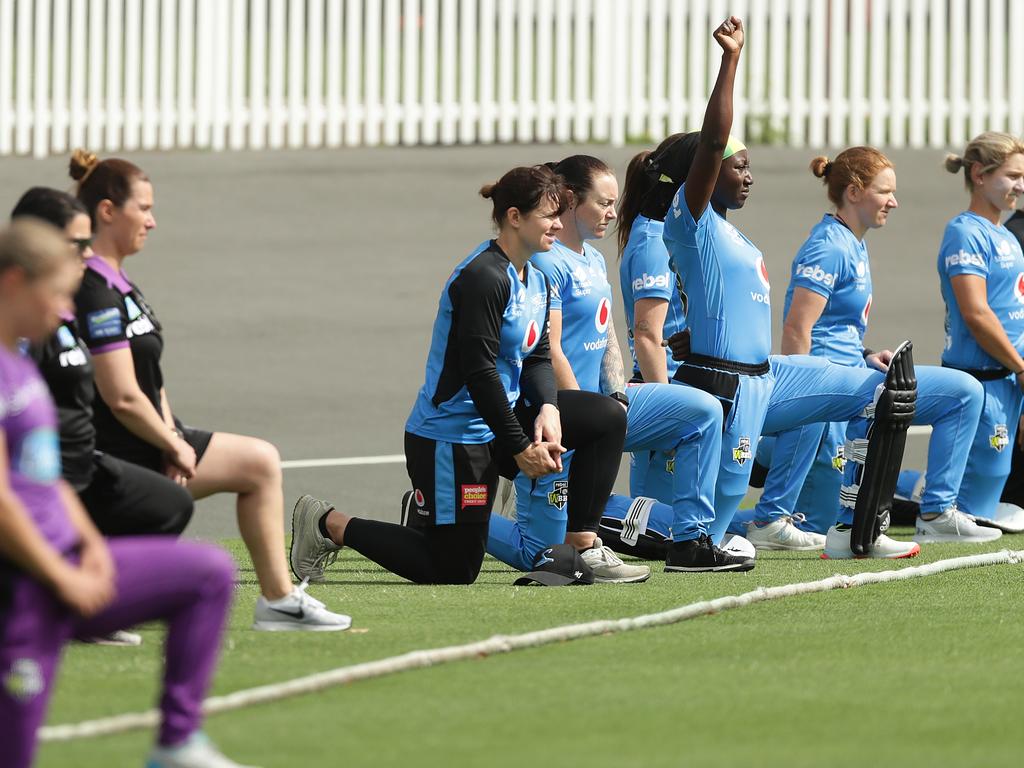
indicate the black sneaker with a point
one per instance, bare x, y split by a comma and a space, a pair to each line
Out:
697, 555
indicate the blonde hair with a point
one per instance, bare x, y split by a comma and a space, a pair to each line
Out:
856, 165
36, 247
989, 149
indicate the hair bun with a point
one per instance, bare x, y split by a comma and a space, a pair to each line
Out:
953, 163
82, 164
487, 191
820, 166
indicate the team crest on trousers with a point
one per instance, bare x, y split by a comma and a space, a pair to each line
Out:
558, 496
839, 460
1000, 439
741, 453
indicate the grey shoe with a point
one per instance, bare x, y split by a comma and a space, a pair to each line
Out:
310, 552
954, 525
608, 567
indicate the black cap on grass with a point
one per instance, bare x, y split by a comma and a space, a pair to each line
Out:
558, 566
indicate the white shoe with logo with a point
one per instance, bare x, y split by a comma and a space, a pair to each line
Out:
782, 534
297, 611
954, 525
310, 553
608, 567
837, 547
1009, 518
196, 752
734, 544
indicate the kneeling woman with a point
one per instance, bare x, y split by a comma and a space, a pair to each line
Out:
133, 415
59, 579
489, 406
122, 498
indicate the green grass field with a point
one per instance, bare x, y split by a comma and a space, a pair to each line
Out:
922, 672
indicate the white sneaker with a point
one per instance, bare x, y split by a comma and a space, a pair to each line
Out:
506, 498
608, 567
782, 534
310, 552
734, 544
120, 638
196, 752
954, 525
837, 547
297, 612
1009, 518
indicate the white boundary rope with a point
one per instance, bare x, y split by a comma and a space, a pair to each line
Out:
509, 643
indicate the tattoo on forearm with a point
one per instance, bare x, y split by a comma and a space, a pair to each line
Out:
613, 377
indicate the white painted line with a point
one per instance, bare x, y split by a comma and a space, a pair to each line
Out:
399, 458
351, 461
508, 643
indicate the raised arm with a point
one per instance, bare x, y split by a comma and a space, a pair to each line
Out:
714, 132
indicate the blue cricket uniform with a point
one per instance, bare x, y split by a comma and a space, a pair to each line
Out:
489, 345
729, 316
808, 462
659, 417
972, 245
646, 273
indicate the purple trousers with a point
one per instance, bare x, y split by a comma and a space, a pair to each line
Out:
186, 584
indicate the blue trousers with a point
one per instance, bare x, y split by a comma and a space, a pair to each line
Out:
660, 417
798, 390
807, 463
991, 451
650, 474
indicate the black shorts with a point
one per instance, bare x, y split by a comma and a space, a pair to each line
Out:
124, 499
199, 439
452, 482
152, 458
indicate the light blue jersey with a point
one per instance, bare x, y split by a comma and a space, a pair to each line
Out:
486, 318
803, 476
646, 273
581, 292
972, 245
833, 263
726, 281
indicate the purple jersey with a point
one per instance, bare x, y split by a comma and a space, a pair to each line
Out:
28, 420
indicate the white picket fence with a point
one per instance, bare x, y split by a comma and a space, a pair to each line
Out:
143, 74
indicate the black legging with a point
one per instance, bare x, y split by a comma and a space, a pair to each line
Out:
593, 425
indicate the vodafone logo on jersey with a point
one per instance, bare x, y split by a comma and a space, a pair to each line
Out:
762, 272
1018, 287
866, 312
603, 315
531, 337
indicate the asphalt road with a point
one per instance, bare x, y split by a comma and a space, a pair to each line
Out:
297, 289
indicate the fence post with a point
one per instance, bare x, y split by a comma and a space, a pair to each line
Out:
186, 72
411, 112
42, 114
